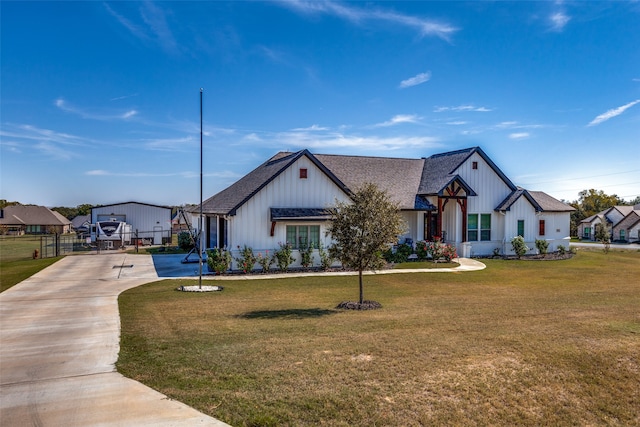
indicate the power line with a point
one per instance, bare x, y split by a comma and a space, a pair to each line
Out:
586, 177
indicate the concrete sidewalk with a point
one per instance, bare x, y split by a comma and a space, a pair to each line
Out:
59, 335
170, 266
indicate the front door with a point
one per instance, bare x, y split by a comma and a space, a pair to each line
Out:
430, 226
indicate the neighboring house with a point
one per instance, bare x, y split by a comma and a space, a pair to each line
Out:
150, 223
29, 219
621, 221
179, 220
461, 196
81, 223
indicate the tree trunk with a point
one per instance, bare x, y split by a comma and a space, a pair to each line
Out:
361, 289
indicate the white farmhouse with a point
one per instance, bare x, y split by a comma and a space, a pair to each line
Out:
460, 196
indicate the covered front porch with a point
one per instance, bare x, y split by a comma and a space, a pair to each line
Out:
442, 215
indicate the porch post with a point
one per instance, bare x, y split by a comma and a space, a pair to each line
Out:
439, 230
463, 208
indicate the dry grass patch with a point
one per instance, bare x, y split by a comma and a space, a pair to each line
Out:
520, 343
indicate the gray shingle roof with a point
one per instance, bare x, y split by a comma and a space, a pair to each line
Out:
439, 169
31, 215
227, 201
402, 179
304, 214
542, 202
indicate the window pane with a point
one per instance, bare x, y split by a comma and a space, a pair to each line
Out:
521, 227
314, 236
541, 228
485, 235
485, 221
303, 240
472, 222
291, 235
473, 235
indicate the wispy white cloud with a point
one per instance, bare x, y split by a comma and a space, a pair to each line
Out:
183, 174
31, 139
415, 80
118, 98
558, 20
399, 119
156, 20
136, 30
356, 15
517, 125
252, 137
457, 123
64, 106
34, 133
462, 108
153, 26
519, 135
311, 128
341, 141
612, 113
170, 144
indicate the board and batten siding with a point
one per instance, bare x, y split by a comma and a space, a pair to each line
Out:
491, 190
251, 225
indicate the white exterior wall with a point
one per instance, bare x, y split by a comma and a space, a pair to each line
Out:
491, 190
413, 223
557, 229
251, 225
152, 220
520, 210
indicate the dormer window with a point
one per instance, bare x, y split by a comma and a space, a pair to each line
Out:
303, 173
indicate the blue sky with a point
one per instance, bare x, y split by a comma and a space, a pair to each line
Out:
100, 101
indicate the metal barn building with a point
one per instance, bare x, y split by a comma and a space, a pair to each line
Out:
149, 223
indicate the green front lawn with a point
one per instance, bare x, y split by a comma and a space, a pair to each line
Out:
520, 343
15, 271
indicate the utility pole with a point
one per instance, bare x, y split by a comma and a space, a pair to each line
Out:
200, 222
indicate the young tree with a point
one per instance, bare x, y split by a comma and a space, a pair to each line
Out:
363, 228
602, 234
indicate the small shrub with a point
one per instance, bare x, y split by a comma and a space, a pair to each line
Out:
449, 252
282, 256
561, 250
265, 261
496, 252
247, 259
218, 260
306, 256
185, 241
422, 250
402, 253
519, 246
325, 258
397, 254
542, 246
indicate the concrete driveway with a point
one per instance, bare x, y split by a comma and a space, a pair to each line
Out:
59, 341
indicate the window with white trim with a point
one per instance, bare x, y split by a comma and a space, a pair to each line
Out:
303, 236
478, 229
